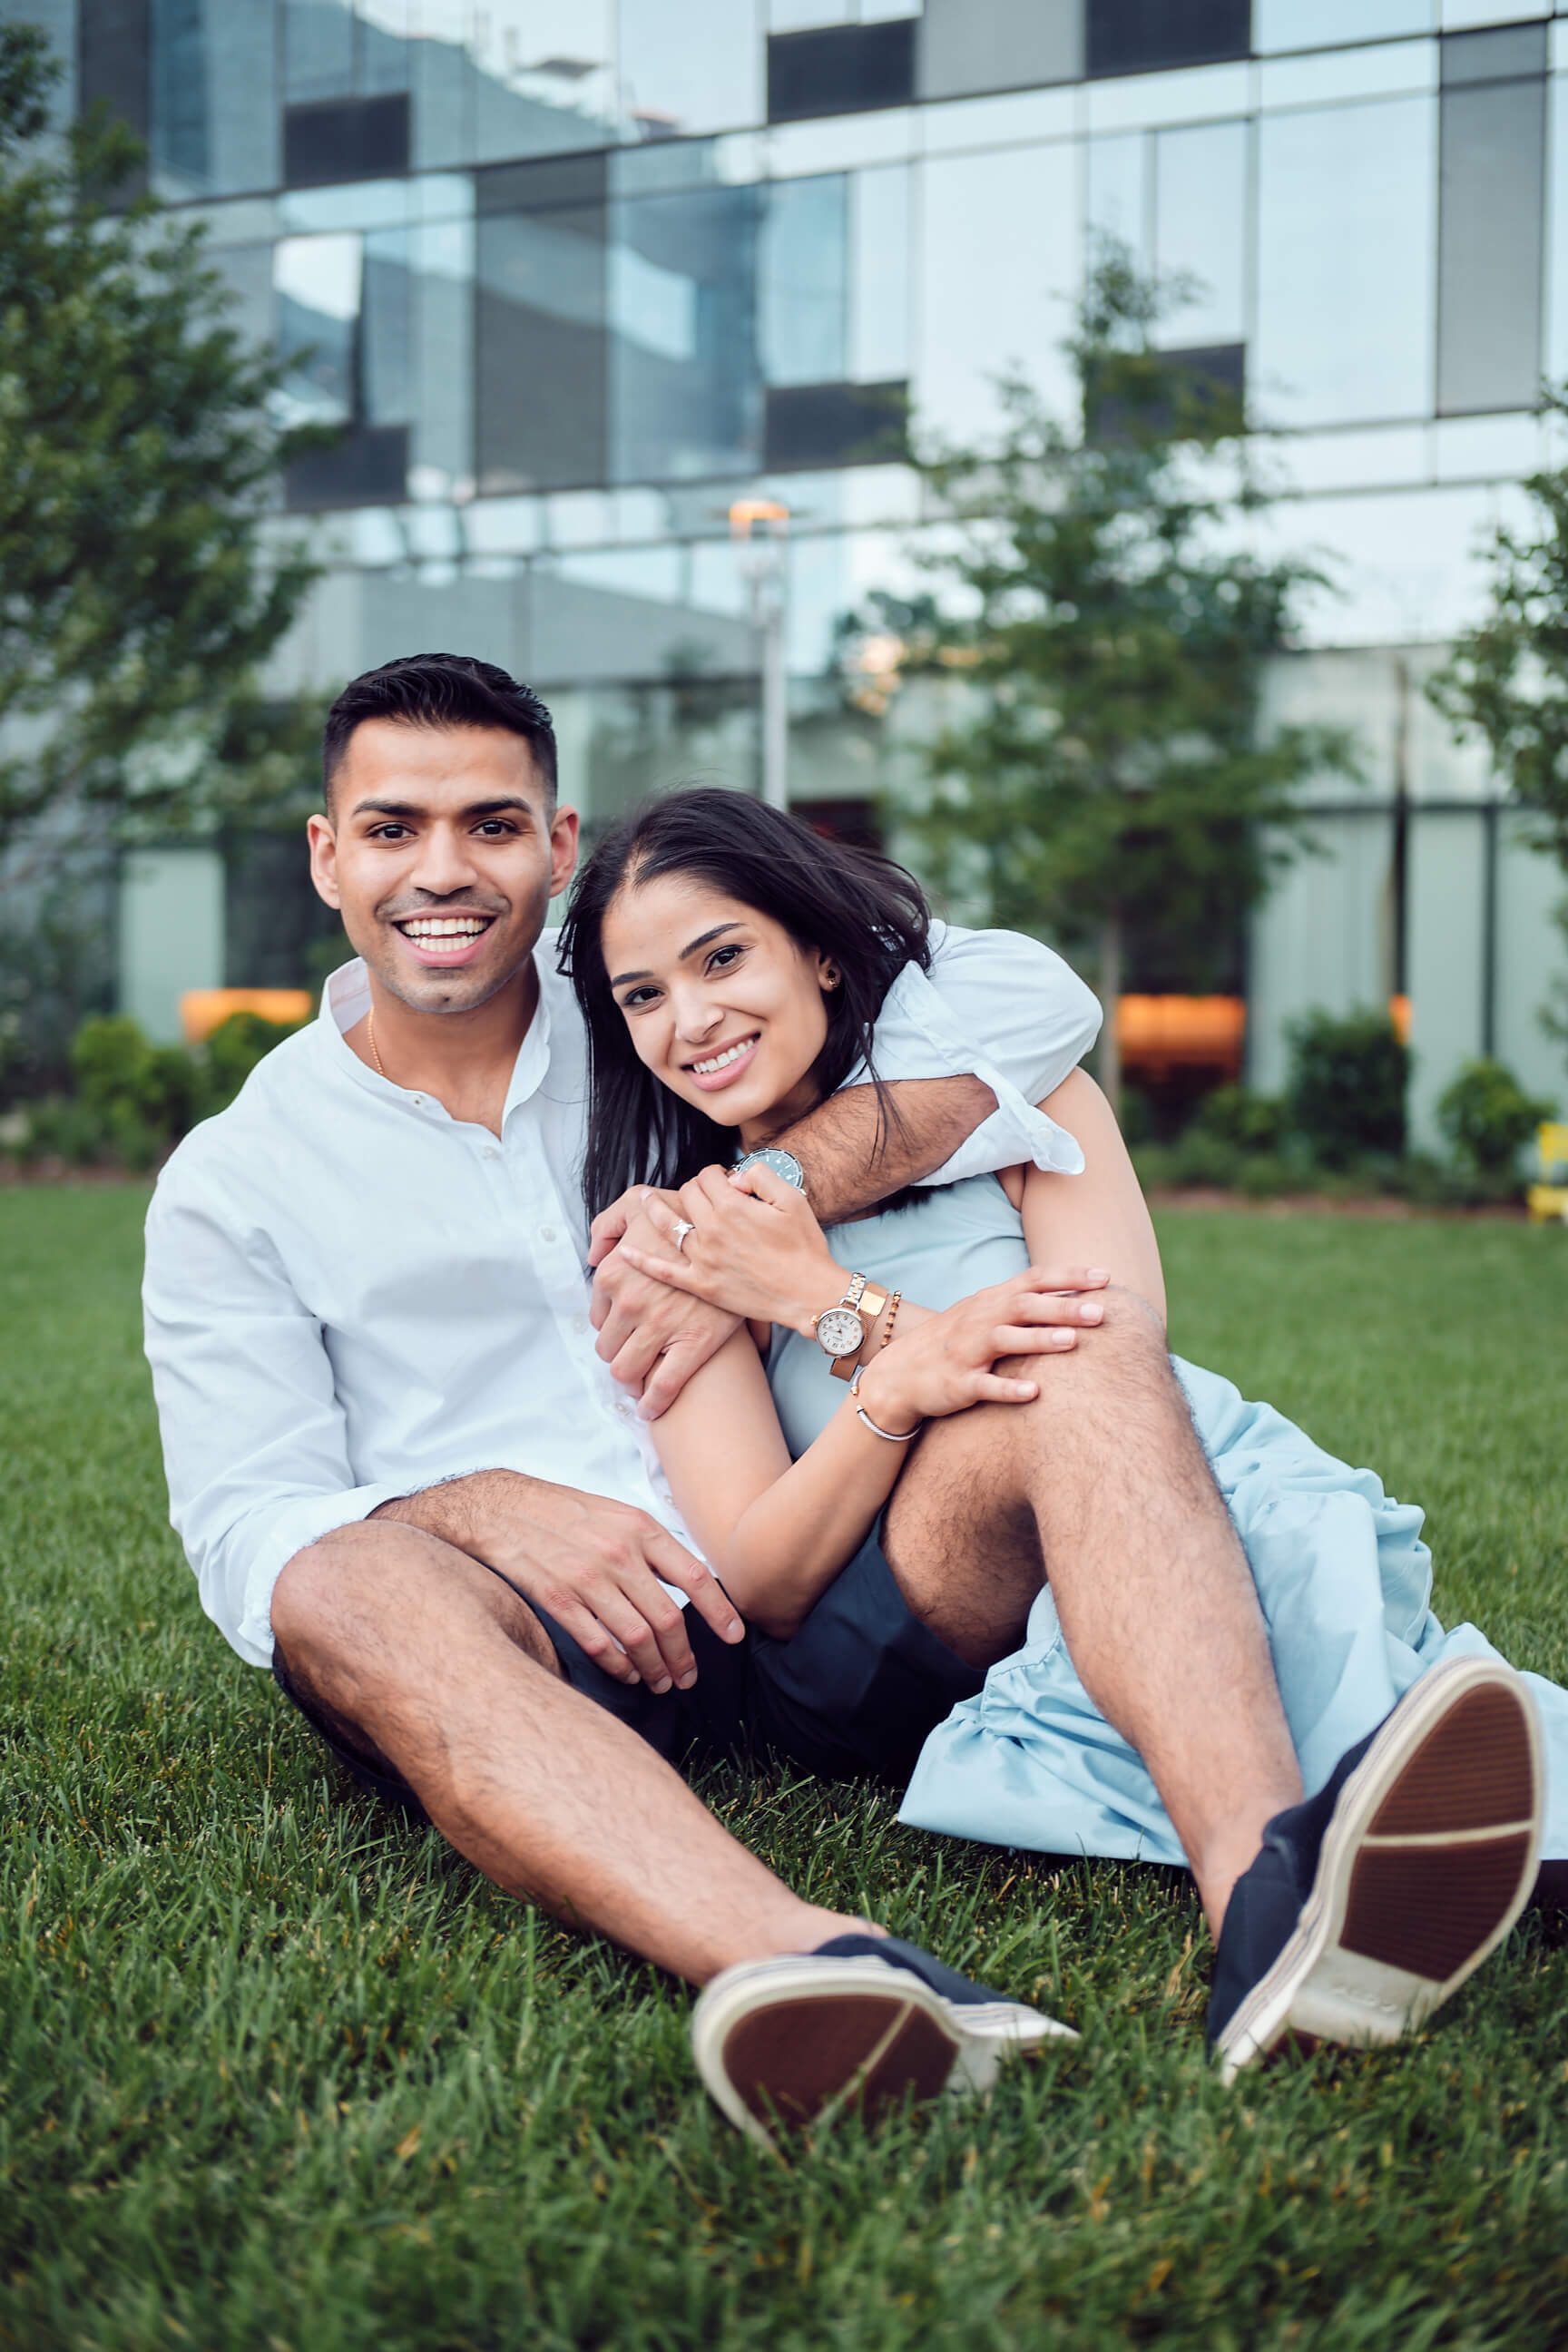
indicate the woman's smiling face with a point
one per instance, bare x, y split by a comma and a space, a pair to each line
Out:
721, 1005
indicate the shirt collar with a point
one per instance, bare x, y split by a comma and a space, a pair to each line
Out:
346, 1000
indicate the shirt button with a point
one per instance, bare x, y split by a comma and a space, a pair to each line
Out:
623, 1409
547, 1233
418, 1101
579, 1324
490, 1152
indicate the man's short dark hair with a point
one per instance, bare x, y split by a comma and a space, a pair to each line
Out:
439, 690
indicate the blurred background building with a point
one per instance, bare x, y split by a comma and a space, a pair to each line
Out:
578, 274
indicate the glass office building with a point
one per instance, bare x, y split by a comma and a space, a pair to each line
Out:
574, 275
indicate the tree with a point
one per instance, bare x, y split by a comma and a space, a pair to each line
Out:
1507, 679
1109, 775
139, 457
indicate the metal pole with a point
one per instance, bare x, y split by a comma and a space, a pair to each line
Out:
764, 561
775, 692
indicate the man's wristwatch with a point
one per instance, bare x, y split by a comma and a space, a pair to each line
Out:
841, 1331
782, 1163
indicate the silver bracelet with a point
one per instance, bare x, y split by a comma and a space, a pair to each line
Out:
893, 1437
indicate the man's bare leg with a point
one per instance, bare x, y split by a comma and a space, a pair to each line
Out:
448, 1675
1102, 1485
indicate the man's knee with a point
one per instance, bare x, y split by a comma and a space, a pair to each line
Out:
1126, 1349
319, 1588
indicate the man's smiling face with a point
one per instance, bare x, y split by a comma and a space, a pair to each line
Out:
442, 851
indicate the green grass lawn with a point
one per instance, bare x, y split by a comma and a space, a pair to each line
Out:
276, 2072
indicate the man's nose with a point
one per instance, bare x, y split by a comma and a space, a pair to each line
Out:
445, 863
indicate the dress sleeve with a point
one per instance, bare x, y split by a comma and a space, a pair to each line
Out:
255, 1446
1004, 1009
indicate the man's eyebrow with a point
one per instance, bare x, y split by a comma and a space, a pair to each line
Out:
621, 978
412, 808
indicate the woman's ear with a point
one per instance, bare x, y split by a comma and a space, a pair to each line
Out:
828, 973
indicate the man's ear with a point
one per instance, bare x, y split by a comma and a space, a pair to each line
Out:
564, 829
324, 859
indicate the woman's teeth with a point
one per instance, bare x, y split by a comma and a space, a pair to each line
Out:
722, 1061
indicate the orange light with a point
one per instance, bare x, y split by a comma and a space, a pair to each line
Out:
744, 513
1159, 1034
1399, 1014
203, 1010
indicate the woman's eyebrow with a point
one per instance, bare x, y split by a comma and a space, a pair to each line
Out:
619, 979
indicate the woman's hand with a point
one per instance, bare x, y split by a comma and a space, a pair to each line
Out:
945, 1364
754, 1248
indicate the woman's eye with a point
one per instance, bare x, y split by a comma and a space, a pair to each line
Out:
721, 958
636, 999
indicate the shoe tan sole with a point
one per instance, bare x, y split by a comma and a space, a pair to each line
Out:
1426, 1865
790, 2043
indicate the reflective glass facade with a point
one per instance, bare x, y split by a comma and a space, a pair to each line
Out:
574, 275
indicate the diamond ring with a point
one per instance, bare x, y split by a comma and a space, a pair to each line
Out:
682, 1227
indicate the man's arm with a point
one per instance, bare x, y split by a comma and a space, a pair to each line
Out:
595, 1564
256, 1451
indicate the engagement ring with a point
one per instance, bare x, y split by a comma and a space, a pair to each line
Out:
681, 1229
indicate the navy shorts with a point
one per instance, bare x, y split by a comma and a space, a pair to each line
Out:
852, 1694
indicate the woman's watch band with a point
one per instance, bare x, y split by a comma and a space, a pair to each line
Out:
866, 1305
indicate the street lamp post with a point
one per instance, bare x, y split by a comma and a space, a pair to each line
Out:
763, 565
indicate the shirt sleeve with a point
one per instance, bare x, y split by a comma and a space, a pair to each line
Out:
255, 1446
1006, 1010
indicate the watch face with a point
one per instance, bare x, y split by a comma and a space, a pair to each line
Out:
782, 1163
839, 1331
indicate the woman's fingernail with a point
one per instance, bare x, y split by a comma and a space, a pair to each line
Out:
1092, 1312
1098, 1273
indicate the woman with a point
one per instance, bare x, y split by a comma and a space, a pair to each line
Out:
731, 967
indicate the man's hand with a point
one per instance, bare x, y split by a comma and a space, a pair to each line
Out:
592, 1563
651, 1336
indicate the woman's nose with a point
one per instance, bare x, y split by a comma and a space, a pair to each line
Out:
695, 1016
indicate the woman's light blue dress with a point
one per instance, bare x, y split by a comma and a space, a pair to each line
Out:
1341, 1573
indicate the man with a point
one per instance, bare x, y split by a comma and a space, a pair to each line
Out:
404, 1475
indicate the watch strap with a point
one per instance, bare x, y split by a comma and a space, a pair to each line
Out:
869, 1304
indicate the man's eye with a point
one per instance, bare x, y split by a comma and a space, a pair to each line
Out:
389, 833
492, 826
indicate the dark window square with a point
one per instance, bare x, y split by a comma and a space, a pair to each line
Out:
368, 468
1216, 377
1142, 36
1512, 52
843, 69
812, 425
347, 139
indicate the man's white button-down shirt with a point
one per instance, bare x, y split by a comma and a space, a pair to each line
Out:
351, 1296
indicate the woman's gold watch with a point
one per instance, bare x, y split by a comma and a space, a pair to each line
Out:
842, 1330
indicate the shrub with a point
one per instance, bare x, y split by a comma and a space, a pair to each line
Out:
1487, 1117
1235, 1115
1348, 1077
231, 1052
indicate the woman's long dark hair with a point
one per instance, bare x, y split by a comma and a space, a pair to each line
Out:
858, 907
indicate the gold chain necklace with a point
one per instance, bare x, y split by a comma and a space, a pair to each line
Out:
370, 1028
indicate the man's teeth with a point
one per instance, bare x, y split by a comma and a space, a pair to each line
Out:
438, 930
722, 1061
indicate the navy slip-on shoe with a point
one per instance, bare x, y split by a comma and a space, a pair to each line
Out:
863, 2022
1373, 1901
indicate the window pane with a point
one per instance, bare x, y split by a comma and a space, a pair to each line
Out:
880, 274
1345, 237
1200, 227
970, 46
508, 78
803, 293
1494, 57
542, 378
318, 280
685, 398
1142, 36
690, 65
386, 386
1119, 192
1323, 24
1493, 189
842, 71
442, 335
999, 269
318, 50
